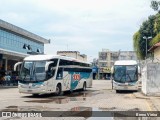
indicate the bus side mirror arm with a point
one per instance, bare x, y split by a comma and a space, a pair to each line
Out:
139, 70
112, 76
47, 65
16, 65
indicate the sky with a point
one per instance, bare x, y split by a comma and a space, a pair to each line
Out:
87, 26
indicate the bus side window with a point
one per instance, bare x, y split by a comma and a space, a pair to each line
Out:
51, 71
59, 74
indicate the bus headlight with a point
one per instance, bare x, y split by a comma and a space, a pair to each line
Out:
42, 85
22, 86
38, 86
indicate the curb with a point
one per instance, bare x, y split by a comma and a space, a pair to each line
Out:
6, 87
140, 95
151, 100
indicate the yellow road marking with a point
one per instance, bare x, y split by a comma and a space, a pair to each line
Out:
132, 96
148, 106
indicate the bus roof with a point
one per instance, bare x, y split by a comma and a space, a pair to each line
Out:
125, 62
49, 57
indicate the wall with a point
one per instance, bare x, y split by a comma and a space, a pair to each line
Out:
151, 79
157, 53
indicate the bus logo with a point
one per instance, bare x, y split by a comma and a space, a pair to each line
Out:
76, 76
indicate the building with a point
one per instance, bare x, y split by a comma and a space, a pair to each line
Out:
17, 43
127, 55
155, 49
74, 54
95, 69
106, 59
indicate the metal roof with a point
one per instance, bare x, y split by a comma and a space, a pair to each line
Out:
18, 30
154, 46
12, 53
68, 52
49, 57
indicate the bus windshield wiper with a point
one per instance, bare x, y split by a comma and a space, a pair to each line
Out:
129, 77
25, 75
34, 75
121, 77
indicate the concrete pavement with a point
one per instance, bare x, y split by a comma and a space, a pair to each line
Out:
100, 97
153, 101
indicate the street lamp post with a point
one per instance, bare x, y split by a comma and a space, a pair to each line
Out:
147, 38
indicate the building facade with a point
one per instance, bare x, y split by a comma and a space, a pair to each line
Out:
127, 55
155, 50
17, 43
74, 54
95, 68
106, 59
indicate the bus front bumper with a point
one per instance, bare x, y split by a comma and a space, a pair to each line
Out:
118, 86
125, 87
32, 90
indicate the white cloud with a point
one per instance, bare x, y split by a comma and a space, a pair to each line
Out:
83, 25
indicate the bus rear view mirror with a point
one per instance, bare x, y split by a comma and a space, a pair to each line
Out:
139, 70
17, 65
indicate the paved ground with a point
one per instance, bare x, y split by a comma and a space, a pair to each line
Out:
98, 98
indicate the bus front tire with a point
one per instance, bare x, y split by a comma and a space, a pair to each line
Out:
117, 91
58, 90
84, 86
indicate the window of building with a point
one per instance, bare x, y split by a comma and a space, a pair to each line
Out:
14, 42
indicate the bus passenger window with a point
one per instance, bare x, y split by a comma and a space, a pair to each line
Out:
59, 74
51, 71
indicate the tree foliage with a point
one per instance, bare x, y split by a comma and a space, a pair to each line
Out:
150, 27
157, 24
136, 39
147, 30
155, 5
155, 40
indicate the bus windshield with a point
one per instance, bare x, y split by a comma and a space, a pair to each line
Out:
125, 74
33, 71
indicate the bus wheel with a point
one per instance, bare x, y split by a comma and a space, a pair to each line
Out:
58, 90
84, 86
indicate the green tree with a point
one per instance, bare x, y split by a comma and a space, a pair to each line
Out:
157, 24
136, 39
155, 40
146, 29
155, 5
150, 27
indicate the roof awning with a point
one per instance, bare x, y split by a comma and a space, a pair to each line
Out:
154, 47
12, 53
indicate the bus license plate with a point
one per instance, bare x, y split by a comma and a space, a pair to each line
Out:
126, 84
125, 87
29, 90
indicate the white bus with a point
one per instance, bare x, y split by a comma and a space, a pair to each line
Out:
125, 75
41, 74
